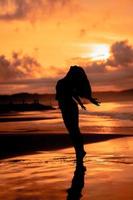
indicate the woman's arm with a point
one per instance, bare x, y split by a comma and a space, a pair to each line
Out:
79, 101
94, 101
77, 98
89, 96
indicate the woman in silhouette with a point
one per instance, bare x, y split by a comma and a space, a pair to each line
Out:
68, 92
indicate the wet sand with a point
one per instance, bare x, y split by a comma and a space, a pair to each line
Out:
49, 173
28, 143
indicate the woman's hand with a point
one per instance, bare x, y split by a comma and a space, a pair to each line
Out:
95, 101
83, 107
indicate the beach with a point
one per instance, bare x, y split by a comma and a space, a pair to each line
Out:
48, 174
37, 160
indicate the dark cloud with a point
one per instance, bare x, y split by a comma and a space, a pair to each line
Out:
18, 66
29, 9
122, 54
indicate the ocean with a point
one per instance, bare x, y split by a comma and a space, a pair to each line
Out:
110, 117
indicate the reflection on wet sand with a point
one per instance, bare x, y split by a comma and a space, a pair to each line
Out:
75, 191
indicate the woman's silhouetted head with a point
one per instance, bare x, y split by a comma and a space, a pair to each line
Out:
76, 73
79, 80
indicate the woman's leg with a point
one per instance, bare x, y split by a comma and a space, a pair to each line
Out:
71, 120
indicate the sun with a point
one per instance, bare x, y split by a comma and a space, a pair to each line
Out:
100, 52
97, 52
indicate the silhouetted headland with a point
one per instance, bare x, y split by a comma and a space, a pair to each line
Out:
21, 107
24, 102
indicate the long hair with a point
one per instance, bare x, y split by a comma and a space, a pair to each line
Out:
79, 81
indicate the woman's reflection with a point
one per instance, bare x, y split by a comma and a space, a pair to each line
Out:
74, 192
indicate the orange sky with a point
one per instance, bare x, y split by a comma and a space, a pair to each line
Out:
49, 36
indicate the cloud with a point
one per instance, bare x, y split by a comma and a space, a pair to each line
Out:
122, 54
22, 73
14, 9
18, 67
30, 9
115, 72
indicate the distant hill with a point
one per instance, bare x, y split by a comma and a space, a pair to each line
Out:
49, 99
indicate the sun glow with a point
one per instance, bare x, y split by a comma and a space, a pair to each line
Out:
100, 52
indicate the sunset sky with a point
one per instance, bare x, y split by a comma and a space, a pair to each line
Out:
40, 39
